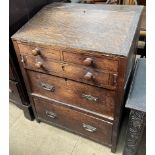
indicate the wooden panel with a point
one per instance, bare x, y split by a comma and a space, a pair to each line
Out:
74, 93
13, 92
75, 72
43, 51
102, 28
11, 75
100, 62
80, 123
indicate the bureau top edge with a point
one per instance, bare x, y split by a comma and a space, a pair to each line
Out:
108, 29
70, 49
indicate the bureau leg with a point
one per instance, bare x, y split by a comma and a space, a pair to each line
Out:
134, 132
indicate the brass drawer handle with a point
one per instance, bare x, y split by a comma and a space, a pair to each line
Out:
89, 127
51, 114
90, 98
36, 52
47, 87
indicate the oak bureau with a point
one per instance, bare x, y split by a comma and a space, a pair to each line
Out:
76, 60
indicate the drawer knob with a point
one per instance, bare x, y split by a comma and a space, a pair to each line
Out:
88, 61
51, 114
39, 65
89, 127
36, 51
88, 76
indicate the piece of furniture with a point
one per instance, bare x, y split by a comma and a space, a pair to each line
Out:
76, 60
137, 103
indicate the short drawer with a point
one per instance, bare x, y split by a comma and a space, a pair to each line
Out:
93, 61
78, 122
14, 93
75, 72
74, 93
39, 51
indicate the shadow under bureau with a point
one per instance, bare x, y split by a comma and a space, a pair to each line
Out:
76, 60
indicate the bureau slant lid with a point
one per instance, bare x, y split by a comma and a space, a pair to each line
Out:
106, 29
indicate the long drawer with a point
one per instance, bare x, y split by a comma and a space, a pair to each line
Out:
80, 123
71, 71
82, 95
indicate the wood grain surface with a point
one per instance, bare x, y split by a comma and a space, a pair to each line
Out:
74, 93
101, 28
74, 120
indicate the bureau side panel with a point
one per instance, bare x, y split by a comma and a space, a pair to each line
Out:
24, 74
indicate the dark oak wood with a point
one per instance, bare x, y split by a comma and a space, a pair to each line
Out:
85, 60
98, 129
74, 93
44, 51
11, 74
54, 28
95, 62
101, 78
13, 92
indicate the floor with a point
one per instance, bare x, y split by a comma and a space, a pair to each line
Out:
32, 138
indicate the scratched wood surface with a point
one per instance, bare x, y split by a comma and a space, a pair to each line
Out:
102, 28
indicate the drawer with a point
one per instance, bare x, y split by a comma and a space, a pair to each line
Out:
39, 51
74, 93
95, 62
80, 123
74, 72
14, 93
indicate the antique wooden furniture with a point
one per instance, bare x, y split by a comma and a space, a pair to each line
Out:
137, 103
76, 60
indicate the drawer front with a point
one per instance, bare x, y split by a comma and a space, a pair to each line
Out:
91, 127
74, 93
13, 92
39, 51
75, 72
95, 62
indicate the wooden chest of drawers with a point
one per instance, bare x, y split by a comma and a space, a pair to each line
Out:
76, 60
